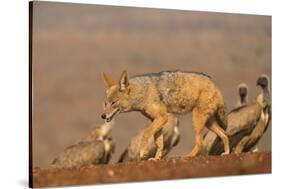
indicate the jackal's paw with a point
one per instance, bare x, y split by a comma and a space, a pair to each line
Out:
191, 155
225, 153
154, 159
143, 154
237, 152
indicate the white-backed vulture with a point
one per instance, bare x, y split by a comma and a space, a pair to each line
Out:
243, 95
171, 138
97, 148
245, 124
248, 142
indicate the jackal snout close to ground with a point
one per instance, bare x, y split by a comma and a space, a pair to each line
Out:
157, 95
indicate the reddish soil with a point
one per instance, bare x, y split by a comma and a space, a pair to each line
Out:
170, 168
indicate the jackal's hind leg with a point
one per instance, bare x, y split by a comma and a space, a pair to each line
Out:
198, 122
214, 126
155, 130
159, 142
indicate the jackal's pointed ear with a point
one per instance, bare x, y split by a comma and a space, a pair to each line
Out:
107, 80
124, 81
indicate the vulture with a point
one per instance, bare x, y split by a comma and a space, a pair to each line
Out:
171, 137
243, 95
246, 124
97, 148
248, 142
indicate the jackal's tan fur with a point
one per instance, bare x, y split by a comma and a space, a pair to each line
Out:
176, 92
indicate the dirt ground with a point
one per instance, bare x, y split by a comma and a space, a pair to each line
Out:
74, 43
170, 168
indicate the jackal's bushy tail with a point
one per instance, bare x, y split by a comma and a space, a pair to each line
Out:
221, 117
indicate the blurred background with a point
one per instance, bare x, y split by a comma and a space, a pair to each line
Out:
74, 43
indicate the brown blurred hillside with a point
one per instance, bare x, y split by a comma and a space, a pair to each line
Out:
73, 43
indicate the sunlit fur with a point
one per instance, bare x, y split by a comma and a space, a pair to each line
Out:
158, 94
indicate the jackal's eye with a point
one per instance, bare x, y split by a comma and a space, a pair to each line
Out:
113, 102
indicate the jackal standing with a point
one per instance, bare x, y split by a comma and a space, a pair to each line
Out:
176, 92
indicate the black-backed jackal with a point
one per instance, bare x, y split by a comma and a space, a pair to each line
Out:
176, 92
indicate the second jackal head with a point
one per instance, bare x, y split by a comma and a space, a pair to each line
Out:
117, 96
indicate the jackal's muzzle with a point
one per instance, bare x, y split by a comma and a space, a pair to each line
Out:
109, 117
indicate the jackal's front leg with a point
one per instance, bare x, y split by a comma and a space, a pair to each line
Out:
159, 142
153, 130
